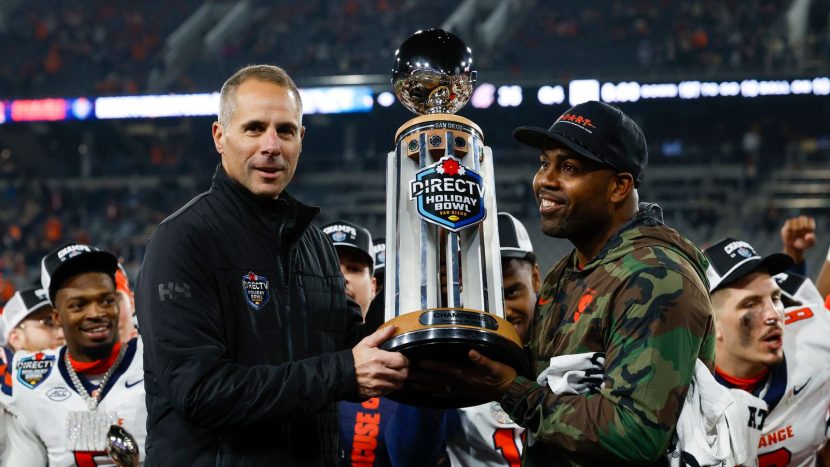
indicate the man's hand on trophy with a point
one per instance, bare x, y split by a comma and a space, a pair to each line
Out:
378, 372
486, 378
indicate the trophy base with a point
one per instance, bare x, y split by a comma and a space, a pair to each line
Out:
451, 343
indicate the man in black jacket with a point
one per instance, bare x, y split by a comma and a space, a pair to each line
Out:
242, 305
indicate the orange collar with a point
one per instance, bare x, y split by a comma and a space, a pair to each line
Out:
96, 367
747, 384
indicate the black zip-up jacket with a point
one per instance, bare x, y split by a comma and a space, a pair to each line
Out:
246, 327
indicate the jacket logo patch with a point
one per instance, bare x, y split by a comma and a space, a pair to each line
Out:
32, 370
256, 290
583, 303
58, 394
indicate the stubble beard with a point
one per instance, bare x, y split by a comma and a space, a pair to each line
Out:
99, 351
575, 225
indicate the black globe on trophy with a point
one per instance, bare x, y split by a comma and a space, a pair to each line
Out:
443, 288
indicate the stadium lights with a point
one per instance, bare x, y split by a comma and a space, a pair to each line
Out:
509, 96
386, 99
34, 110
180, 105
748, 88
347, 99
583, 90
483, 96
548, 95
81, 108
821, 86
326, 100
336, 100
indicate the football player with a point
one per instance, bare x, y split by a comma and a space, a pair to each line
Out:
65, 400
780, 355
28, 323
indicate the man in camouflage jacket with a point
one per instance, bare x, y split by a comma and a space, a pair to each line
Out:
632, 289
641, 302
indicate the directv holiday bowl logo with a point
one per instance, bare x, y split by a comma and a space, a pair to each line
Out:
449, 194
256, 290
32, 370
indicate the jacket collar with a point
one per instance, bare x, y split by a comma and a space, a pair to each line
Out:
644, 229
648, 215
280, 218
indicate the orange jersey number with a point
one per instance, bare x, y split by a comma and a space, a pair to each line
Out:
778, 458
505, 441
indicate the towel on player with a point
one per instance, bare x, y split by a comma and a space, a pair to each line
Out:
713, 428
574, 374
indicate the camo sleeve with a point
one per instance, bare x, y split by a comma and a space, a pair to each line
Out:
659, 325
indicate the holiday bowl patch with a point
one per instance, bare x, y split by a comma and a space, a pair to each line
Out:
32, 370
449, 194
255, 289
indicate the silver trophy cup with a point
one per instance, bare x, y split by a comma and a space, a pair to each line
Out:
443, 288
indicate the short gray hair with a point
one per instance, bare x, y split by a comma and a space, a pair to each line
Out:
266, 73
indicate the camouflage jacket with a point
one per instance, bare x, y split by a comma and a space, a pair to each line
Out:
643, 300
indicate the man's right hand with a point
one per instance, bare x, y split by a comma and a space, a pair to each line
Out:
798, 235
378, 372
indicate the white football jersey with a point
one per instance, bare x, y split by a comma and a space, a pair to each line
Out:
795, 428
5, 358
43, 397
485, 436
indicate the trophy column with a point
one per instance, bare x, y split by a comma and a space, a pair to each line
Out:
443, 287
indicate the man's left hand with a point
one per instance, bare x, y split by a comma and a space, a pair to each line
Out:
486, 379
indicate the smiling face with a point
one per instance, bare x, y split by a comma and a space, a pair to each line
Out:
749, 326
572, 193
521, 283
87, 311
261, 142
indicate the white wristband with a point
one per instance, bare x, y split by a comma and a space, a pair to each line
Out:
828, 255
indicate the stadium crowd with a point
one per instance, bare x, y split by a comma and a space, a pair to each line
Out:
79, 206
104, 48
107, 49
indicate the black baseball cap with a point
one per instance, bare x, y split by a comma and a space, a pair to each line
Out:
513, 237
71, 259
731, 259
347, 235
598, 132
379, 253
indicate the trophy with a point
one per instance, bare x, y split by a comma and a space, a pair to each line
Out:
122, 447
443, 287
